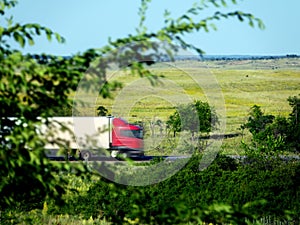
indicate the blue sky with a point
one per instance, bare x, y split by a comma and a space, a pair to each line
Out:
88, 24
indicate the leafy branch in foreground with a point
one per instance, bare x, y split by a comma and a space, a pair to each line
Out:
31, 90
24, 34
174, 29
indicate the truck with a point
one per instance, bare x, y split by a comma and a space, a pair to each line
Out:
93, 136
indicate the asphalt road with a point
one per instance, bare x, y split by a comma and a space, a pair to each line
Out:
150, 158
111, 159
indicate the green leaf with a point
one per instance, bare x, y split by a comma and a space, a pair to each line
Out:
193, 11
30, 41
58, 38
240, 17
48, 34
223, 3
213, 26
19, 38
251, 24
261, 25
37, 29
1, 30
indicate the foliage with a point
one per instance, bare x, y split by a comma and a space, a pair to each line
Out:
208, 118
41, 217
102, 111
22, 34
194, 117
31, 88
226, 192
273, 135
257, 121
294, 123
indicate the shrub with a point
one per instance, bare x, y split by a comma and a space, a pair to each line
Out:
273, 135
226, 192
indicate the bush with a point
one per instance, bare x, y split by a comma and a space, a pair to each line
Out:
273, 135
194, 117
226, 192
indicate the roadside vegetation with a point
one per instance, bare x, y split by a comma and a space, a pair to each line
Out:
260, 191
261, 104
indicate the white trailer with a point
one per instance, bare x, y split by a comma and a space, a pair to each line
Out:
84, 134
90, 136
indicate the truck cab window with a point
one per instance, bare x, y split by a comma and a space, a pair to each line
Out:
132, 133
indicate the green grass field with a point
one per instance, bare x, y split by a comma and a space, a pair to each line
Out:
230, 86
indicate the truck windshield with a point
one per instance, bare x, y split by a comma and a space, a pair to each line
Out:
132, 133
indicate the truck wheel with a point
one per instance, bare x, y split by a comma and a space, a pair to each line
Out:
114, 153
85, 155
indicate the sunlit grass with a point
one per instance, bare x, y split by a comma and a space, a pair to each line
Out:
244, 83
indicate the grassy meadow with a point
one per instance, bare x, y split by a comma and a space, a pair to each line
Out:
230, 86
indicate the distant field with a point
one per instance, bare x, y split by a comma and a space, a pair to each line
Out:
242, 83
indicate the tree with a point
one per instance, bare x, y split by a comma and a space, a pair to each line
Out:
272, 134
294, 120
173, 123
194, 117
208, 118
35, 87
102, 111
262, 128
258, 122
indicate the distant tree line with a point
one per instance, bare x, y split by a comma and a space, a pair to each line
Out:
233, 57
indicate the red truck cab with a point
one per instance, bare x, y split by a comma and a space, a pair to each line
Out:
126, 138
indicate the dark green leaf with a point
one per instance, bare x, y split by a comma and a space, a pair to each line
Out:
19, 38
